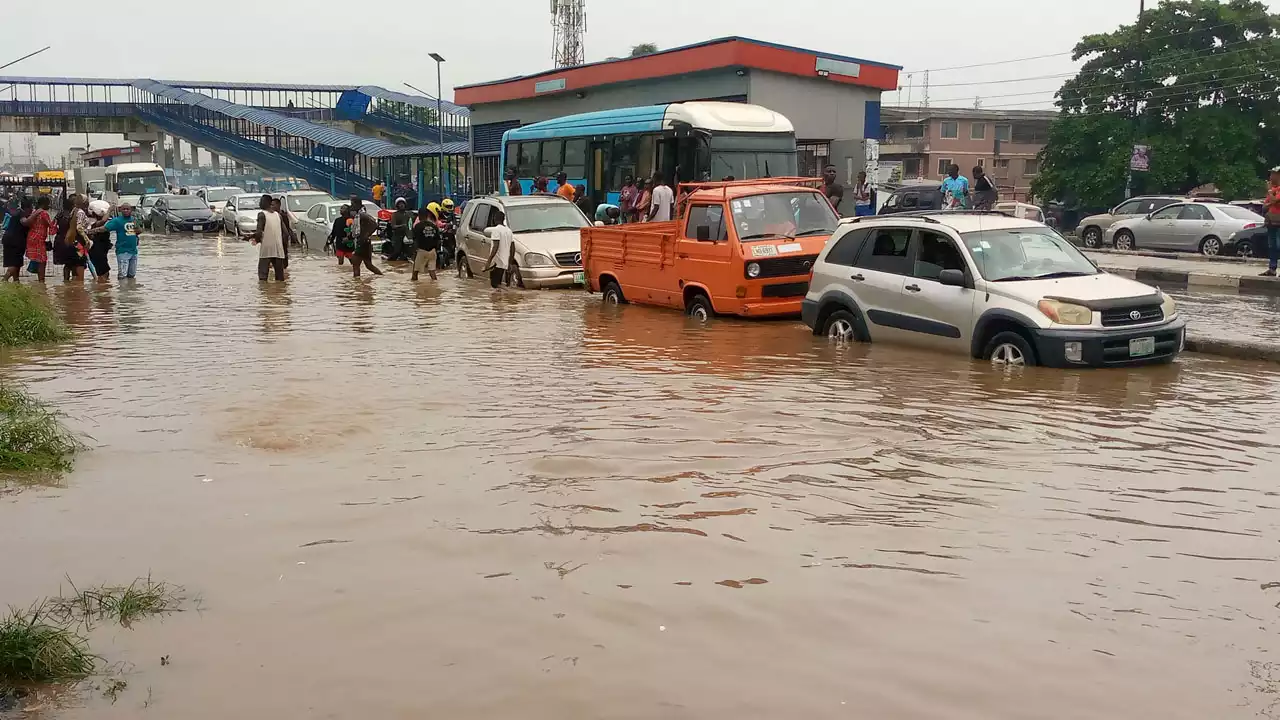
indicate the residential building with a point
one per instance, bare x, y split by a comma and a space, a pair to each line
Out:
919, 143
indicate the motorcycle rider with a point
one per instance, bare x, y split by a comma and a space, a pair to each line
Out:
398, 230
449, 227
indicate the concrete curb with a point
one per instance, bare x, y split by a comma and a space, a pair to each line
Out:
1197, 257
1163, 277
1235, 349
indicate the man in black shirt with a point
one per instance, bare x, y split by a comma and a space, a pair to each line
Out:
426, 240
363, 227
832, 189
14, 242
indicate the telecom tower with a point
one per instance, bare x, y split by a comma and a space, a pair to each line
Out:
569, 18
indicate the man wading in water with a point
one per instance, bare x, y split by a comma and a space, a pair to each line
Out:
269, 237
365, 226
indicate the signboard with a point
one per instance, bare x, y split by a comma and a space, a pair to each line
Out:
873, 162
549, 86
1140, 161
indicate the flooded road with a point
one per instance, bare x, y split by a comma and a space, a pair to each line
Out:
439, 501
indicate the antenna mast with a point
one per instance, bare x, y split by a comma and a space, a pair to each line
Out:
569, 18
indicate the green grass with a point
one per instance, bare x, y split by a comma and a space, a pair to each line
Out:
26, 318
37, 649
31, 437
123, 604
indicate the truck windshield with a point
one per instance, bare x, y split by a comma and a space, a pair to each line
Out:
545, 217
142, 183
789, 214
1030, 253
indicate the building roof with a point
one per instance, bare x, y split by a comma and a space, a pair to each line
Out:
918, 114
413, 100
726, 52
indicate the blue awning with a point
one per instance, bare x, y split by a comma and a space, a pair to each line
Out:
414, 100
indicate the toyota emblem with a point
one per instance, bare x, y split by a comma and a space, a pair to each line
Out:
1135, 315
577, 259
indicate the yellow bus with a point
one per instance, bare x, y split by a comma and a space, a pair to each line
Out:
54, 175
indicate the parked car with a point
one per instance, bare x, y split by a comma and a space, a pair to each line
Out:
1206, 227
914, 196
183, 213
548, 245
298, 202
1026, 211
1007, 290
145, 204
1093, 228
218, 196
314, 225
240, 215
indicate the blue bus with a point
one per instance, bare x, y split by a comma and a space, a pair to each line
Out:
684, 141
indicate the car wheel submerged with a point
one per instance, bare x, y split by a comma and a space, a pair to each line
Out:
699, 308
1125, 240
841, 326
613, 294
1210, 246
515, 276
1092, 237
1009, 349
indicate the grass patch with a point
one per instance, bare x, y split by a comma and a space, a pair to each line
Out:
32, 438
37, 649
26, 318
123, 604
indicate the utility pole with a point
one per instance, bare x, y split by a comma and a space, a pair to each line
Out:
925, 103
1128, 178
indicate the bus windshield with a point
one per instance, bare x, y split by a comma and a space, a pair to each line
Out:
141, 183
751, 156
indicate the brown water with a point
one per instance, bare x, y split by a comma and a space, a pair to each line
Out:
550, 509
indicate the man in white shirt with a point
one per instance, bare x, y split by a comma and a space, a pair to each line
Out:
662, 200
501, 237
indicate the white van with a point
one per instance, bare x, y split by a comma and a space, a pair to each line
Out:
130, 181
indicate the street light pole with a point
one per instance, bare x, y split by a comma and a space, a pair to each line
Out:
439, 124
24, 57
1128, 179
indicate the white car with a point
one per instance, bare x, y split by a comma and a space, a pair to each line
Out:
298, 202
217, 197
1007, 290
315, 224
240, 214
548, 246
1209, 228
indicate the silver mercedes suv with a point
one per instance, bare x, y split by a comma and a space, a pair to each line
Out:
1003, 289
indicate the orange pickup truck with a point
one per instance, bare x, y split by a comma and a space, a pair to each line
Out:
738, 248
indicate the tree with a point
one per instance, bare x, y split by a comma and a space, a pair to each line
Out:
1198, 81
643, 49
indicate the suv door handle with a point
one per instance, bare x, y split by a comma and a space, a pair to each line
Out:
912, 288
857, 277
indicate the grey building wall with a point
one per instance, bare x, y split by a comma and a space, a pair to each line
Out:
699, 86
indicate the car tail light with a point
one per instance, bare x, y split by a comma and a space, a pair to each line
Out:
1252, 226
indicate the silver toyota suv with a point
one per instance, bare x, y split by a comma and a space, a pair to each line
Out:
998, 288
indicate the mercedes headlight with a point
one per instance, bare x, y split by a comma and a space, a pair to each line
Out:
753, 270
533, 259
1168, 306
1065, 313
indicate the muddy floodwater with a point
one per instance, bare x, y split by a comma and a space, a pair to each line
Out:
438, 501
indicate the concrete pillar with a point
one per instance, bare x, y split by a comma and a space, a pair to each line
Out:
239, 168
158, 156
148, 149
177, 153
216, 160
195, 155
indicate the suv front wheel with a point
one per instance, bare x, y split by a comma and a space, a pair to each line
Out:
841, 326
1009, 349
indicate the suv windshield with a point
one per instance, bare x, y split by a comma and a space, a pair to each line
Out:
1031, 253
545, 217
785, 214
186, 202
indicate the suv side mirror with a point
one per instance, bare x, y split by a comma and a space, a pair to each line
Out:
703, 233
952, 278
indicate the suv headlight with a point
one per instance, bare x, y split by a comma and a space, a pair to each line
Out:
1064, 313
1168, 306
533, 259
753, 270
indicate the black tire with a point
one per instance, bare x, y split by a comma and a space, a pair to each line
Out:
1245, 249
699, 308
1211, 246
612, 294
1124, 240
841, 326
1091, 237
1005, 344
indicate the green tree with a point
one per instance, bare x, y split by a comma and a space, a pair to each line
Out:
644, 49
1198, 81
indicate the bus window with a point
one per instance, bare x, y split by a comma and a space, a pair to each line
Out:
528, 160
625, 150
513, 157
575, 158
644, 157
552, 156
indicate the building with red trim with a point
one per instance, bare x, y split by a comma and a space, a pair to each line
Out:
832, 100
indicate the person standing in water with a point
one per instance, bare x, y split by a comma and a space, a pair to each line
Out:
15, 238
501, 238
340, 236
364, 226
125, 229
38, 224
269, 237
426, 243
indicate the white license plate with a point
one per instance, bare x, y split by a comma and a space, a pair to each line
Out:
580, 278
197, 228
1139, 347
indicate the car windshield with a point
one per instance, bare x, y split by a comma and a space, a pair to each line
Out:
248, 203
1239, 213
784, 214
1030, 253
218, 195
186, 202
545, 217
306, 201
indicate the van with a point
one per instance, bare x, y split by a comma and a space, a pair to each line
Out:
736, 248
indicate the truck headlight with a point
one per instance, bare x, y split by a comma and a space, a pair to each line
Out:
1065, 313
1168, 306
533, 259
753, 270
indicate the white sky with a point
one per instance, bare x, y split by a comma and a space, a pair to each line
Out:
314, 41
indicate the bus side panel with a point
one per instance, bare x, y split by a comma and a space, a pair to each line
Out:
641, 261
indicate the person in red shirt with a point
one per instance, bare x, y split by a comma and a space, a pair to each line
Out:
38, 224
1273, 223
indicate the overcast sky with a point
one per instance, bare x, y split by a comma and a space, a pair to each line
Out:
313, 41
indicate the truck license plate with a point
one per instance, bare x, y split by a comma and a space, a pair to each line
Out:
580, 278
197, 228
1139, 347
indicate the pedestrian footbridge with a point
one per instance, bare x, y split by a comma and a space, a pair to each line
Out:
341, 138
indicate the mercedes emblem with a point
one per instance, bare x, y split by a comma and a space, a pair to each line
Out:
577, 259
1135, 315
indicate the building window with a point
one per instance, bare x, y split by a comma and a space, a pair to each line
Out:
1000, 167
911, 168
982, 162
913, 132
978, 131
1004, 133
944, 166
812, 157
950, 129
1030, 134
1031, 167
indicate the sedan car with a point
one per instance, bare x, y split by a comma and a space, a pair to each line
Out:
144, 208
298, 202
1093, 228
184, 213
314, 226
1006, 290
1209, 228
548, 244
217, 197
240, 216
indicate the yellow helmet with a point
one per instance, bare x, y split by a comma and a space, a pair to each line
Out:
447, 204
434, 208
